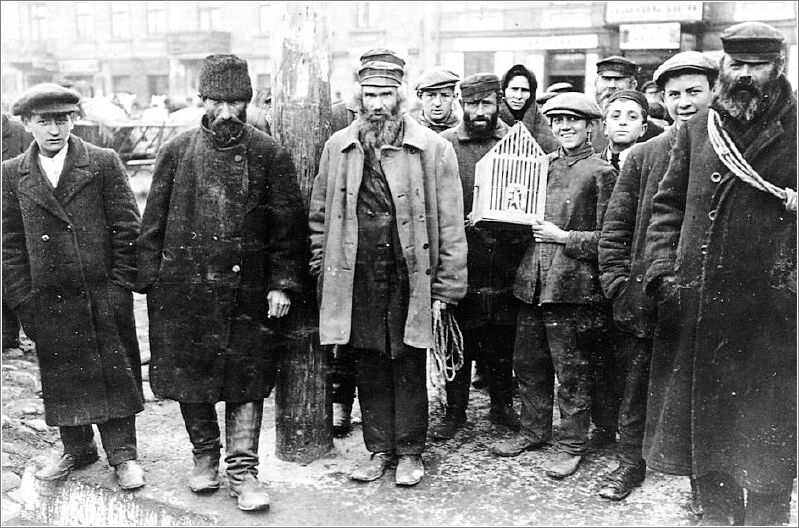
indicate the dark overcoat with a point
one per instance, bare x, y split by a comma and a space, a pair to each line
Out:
15, 138
222, 227
69, 264
622, 244
723, 378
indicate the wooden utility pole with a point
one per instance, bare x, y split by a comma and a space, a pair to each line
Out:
301, 120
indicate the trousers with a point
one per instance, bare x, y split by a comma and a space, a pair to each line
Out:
118, 436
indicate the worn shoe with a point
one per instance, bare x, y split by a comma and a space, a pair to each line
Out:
410, 470
447, 427
515, 446
205, 474
373, 469
505, 415
251, 493
342, 424
601, 438
64, 465
130, 475
562, 465
620, 482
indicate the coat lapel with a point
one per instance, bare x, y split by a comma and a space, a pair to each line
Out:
32, 184
75, 174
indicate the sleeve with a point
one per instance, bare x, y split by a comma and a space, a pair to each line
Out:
449, 282
122, 221
16, 266
585, 244
316, 213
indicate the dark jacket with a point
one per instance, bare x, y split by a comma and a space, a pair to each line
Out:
623, 240
723, 376
15, 138
494, 251
578, 190
222, 227
69, 264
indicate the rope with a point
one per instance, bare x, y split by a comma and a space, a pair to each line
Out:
732, 158
446, 357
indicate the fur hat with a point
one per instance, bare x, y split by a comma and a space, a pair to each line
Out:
225, 78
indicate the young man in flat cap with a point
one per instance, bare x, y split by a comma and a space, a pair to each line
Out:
558, 283
436, 90
220, 252
70, 223
487, 315
686, 80
721, 257
388, 247
518, 86
624, 120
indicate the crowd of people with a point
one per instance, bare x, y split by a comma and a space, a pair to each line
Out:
658, 287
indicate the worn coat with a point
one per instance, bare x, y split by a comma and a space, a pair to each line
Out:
579, 186
15, 138
439, 127
222, 227
423, 180
494, 250
535, 122
622, 244
723, 376
69, 265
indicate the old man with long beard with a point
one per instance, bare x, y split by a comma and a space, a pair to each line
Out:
721, 254
388, 247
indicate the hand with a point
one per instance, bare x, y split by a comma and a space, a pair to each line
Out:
439, 306
279, 304
467, 222
546, 231
666, 286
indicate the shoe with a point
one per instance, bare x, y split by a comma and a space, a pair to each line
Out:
64, 465
515, 446
601, 438
130, 475
505, 415
205, 474
251, 493
620, 482
479, 379
410, 470
447, 427
563, 465
373, 469
342, 424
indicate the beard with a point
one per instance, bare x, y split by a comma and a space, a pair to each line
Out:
480, 127
744, 99
229, 130
380, 127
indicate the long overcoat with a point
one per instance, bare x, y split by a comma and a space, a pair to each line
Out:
69, 265
723, 378
222, 227
423, 179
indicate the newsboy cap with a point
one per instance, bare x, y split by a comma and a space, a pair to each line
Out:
616, 66
379, 73
436, 79
46, 98
752, 42
684, 62
382, 55
479, 85
225, 77
572, 103
630, 95
560, 87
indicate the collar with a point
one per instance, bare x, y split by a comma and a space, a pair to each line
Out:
56, 161
450, 122
583, 152
500, 131
77, 154
413, 136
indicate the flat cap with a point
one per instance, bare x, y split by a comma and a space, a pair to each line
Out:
435, 79
46, 98
560, 87
379, 73
616, 66
752, 42
686, 61
479, 85
382, 55
631, 95
572, 103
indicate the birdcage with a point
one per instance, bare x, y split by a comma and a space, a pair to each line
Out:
510, 181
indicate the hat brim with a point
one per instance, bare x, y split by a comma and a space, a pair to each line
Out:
51, 108
437, 86
557, 112
379, 80
754, 57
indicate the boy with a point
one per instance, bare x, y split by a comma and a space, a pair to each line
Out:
625, 117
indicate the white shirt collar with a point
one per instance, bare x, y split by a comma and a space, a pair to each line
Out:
53, 166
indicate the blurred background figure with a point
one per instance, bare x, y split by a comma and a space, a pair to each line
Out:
259, 113
553, 90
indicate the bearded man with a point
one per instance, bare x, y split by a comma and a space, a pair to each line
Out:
721, 257
388, 247
219, 251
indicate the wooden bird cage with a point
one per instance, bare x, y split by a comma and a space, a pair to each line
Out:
510, 181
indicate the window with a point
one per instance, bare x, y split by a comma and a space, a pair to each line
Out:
120, 20
208, 14
122, 84
158, 84
156, 18
266, 15
84, 19
38, 21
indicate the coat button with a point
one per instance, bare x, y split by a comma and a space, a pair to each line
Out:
715, 177
639, 278
703, 249
45, 238
426, 246
712, 214
427, 271
238, 157
236, 268
69, 227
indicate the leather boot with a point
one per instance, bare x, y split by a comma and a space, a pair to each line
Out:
205, 474
201, 424
620, 482
505, 415
242, 432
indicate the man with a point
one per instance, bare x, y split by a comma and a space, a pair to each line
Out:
219, 252
612, 74
69, 226
436, 90
553, 90
518, 89
15, 141
652, 91
687, 79
721, 257
387, 242
487, 315
624, 119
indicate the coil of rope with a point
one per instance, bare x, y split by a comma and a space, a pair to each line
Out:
446, 357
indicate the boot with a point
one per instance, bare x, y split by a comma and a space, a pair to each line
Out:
505, 415
617, 484
205, 475
447, 427
341, 419
203, 428
62, 467
562, 465
242, 432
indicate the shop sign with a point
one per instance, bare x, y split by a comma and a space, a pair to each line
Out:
621, 12
649, 36
748, 11
79, 66
588, 41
